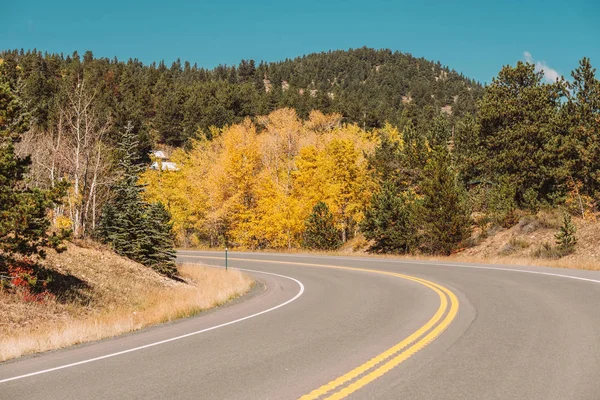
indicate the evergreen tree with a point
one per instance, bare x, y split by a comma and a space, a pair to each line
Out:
158, 250
501, 204
446, 220
582, 118
414, 156
565, 237
320, 232
386, 161
466, 151
517, 130
390, 221
131, 226
24, 223
122, 219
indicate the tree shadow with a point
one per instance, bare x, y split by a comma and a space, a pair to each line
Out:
65, 287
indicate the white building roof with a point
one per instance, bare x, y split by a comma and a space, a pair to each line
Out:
165, 166
159, 154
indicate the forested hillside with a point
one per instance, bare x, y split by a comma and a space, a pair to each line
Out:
171, 104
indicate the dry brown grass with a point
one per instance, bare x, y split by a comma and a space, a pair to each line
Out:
118, 296
522, 243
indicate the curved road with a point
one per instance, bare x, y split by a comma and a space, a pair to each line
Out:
343, 327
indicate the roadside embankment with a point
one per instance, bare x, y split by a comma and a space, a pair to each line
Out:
96, 294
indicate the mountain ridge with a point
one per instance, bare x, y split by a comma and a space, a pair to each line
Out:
173, 104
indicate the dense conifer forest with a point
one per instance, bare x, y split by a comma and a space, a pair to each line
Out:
172, 104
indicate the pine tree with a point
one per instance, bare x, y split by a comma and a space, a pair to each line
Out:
23, 211
389, 221
446, 220
386, 161
466, 151
414, 155
122, 220
158, 250
565, 237
321, 232
517, 131
582, 117
131, 226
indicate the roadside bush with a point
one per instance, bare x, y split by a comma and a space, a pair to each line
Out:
541, 220
578, 203
360, 243
519, 243
514, 245
549, 251
23, 279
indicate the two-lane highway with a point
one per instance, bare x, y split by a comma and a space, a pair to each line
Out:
335, 327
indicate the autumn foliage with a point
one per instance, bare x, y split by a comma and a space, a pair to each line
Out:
256, 183
23, 280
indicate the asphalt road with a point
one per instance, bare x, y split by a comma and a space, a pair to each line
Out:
413, 330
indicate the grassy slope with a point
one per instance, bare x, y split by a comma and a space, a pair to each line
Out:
524, 242
104, 295
519, 244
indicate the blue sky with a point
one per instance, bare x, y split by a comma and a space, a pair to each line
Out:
472, 37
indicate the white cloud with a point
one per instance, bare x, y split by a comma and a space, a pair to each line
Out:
550, 74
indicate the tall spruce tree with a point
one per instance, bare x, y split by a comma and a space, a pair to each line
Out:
134, 228
389, 221
122, 221
158, 250
446, 220
320, 232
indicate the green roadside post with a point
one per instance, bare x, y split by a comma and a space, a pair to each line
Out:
225, 258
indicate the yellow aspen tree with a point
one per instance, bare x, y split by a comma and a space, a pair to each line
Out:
241, 160
347, 172
279, 219
313, 181
279, 222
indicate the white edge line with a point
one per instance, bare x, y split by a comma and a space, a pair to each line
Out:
519, 270
300, 292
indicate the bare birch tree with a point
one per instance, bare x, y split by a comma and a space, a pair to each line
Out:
74, 148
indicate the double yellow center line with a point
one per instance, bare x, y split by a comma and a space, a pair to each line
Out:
386, 361
377, 366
